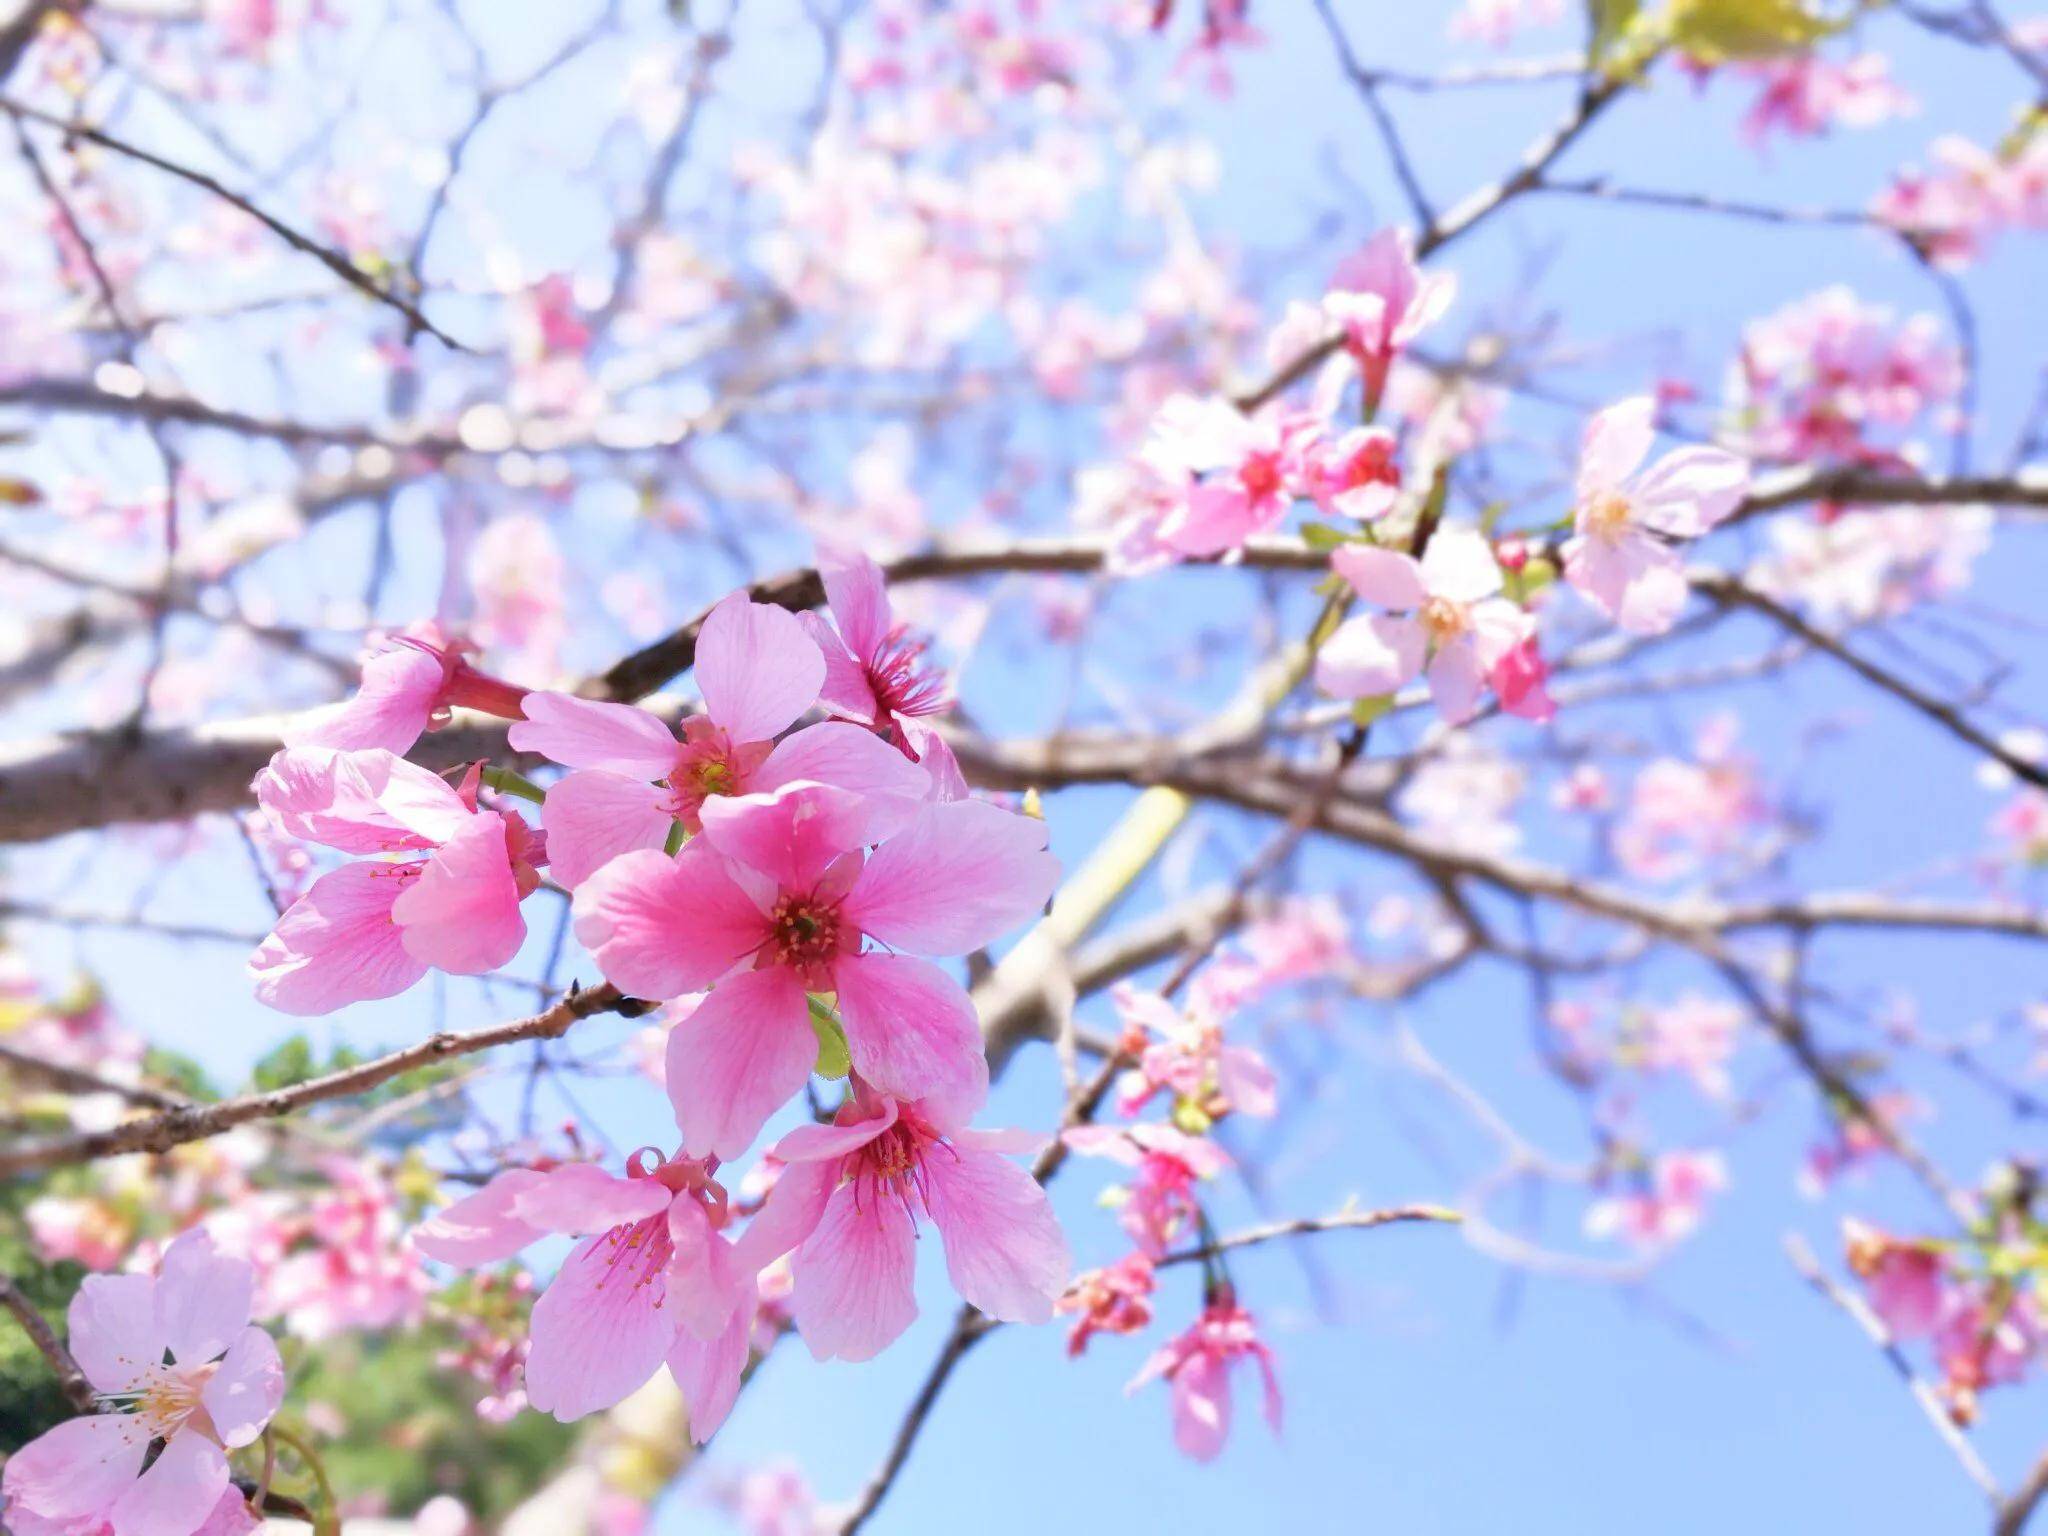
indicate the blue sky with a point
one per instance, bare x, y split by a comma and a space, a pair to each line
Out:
1429, 1390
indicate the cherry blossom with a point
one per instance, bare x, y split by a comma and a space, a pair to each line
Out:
654, 1281
849, 1201
1116, 1299
1618, 556
1381, 301
373, 928
1448, 622
875, 672
1159, 1205
631, 779
1668, 1207
408, 686
1197, 1368
171, 1357
777, 899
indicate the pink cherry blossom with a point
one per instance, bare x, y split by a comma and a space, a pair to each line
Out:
171, 1357
1355, 476
849, 1201
1806, 95
631, 780
408, 686
1381, 301
373, 928
1114, 1300
1619, 556
776, 898
875, 671
1159, 1205
1238, 475
1448, 621
1197, 1366
655, 1280
1695, 1035
1186, 1056
1668, 1207
1907, 1282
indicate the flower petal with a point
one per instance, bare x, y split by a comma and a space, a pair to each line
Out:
1004, 1248
852, 1295
1370, 655
793, 834
708, 1373
592, 816
241, 1396
177, 1493
910, 1027
589, 733
481, 1228
581, 1197
462, 914
1382, 576
756, 668
835, 752
400, 690
660, 926
79, 1469
1616, 441
599, 1331
113, 1330
962, 874
737, 1060
336, 944
202, 1298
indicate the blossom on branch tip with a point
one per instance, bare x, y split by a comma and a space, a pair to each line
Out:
1381, 301
407, 687
1448, 622
654, 1280
631, 779
372, 928
775, 901
1196, 1368
849, 1200
1620, 557
171, 1357
875, 671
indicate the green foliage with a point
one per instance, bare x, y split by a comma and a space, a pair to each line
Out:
412, 1429
30, 1401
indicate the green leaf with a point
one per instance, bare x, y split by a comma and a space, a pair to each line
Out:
833, 1058
1720, 31
1365, 711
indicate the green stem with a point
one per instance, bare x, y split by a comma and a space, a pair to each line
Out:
506, 782
329, 1523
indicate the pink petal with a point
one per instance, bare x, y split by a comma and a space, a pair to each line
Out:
592, 816
581, 1197
177, 1493
963, 873
588, 733
462, 913
845, 690
202, 1299
359, 802
705, 1284
1370, 656
401, 689
336, 944
859, 603
708, 1374
910, 1027
599, 1331
1456, 680
1004, 1249
1382, 576
737, 1060
113, 1330
1201, 1406
1616, 441
790, 1214
79, 1469
850, 757
1214, 517
756, 668
241, 1396
1459, 565
481, 1228
1688, 492
792, 834
852, 1295
660, 926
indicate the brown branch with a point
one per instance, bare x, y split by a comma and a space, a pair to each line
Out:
334, 261
76, 1388
1302, 1226
2018, 1508
79, 1080
161, 1132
